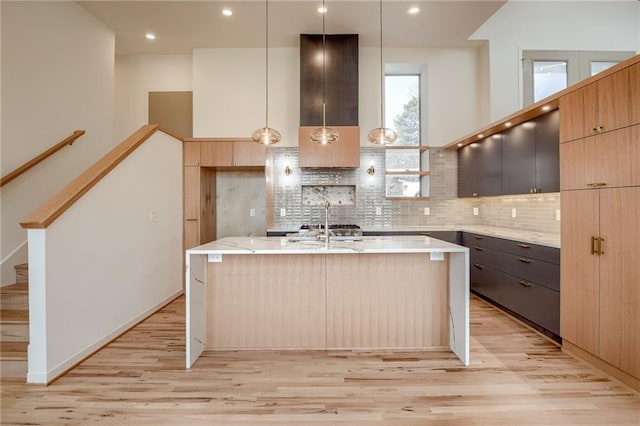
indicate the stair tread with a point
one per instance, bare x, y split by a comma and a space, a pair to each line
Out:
19, 288
13, 351
22, 266
12, 317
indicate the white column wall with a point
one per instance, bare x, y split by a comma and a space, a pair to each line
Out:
53, 82
551, 25
104, 264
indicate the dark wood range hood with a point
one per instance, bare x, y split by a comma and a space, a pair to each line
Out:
341, 89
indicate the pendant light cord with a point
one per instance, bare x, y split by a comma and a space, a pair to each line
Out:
381, 75
324, 68
266, 112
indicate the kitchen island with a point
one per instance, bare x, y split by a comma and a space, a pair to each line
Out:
403, 292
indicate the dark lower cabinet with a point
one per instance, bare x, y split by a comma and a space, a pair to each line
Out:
453, 237
521, 278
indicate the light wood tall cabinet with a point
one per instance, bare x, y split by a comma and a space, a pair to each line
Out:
600, 231
202, 158
599, 107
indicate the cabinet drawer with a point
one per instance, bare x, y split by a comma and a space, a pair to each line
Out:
485, 280
534, 302
532, 251
543, 273
485, 256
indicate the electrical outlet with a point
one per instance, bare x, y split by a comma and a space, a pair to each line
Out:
378, 211
558, 215
283, 212
153, 216
252, 212
476, 211
513, 213
427, 211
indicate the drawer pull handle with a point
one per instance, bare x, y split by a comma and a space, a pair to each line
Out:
426, 234
597, 184
524, 245
478, 266
478, 248
192, 220
524, 283
523, 260
477, 237
593, 245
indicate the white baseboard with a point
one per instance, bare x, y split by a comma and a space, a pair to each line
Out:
52, 374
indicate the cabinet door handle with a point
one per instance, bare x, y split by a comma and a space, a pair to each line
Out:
524, 283
593, 245
478, 266
599, 250
599, 129
192, 220
478, 248
523, 245
594, 129
523, 260
597, 184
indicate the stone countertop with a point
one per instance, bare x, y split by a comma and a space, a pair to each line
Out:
280, 245
531, 237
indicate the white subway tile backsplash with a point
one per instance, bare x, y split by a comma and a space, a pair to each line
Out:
535, 212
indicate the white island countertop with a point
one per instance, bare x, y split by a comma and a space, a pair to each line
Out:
280, 245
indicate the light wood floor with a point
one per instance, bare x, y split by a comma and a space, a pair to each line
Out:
516, 378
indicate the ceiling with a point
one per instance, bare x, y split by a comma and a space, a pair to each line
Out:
181, 26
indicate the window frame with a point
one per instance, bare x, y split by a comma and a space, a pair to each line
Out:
419, 70
578, 65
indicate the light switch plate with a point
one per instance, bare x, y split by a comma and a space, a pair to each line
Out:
214, 258
252, 212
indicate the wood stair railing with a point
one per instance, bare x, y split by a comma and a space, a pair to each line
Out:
43, 216
46, 154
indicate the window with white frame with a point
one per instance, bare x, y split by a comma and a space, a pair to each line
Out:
406, 161
545, 72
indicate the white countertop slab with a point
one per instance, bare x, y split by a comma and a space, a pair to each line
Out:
280, 245
532, 237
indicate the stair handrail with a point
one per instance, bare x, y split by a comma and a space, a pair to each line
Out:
44, 215
69, 140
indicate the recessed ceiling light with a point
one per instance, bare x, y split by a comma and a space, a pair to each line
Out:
227, 12
413, 10
546, 108
460, 144
322, 9
150, 36
480, 136
507, 124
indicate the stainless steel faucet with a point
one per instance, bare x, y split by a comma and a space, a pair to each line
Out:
326, 224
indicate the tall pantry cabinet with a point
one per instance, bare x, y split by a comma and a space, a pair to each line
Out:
600, 230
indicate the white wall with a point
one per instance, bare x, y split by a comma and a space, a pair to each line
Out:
229, 86
558, 25
53, 82
136, 76
103, 265
229, 92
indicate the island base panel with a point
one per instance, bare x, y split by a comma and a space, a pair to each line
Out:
327, 301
